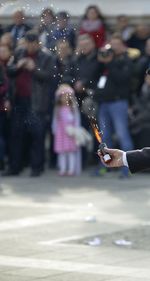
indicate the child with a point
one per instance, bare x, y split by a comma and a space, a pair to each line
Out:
66, 114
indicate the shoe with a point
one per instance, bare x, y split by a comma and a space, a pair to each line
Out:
35, 173
2, 165
9, 173
98, 172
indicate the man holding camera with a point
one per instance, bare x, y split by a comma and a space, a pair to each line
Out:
113, 91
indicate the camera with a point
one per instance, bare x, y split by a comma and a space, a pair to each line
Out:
106, 51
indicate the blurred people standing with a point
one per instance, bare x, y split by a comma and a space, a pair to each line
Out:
93, 24
66, 115
32, 70
113, 91
19, 28
46, 28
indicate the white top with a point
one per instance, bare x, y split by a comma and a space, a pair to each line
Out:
124, 158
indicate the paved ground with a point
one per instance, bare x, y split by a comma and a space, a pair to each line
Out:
44, 235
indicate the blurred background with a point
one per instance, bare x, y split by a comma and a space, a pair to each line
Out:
62, 64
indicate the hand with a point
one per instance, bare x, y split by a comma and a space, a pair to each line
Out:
79, 87
106, 59
116, 155
7, 105
21, 63
30, 65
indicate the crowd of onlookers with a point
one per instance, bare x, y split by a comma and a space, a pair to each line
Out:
56, 77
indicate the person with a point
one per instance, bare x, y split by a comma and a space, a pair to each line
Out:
64, 30
93, 24
19, 28
65, 115
64, 63
143, 64
46, 28
124, 27
139, 37
139, 117
4, 88
113, 90
32, 70
135, 160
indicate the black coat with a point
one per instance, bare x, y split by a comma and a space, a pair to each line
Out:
138, 160
42, 77
118, 83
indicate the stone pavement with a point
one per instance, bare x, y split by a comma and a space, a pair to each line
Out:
44, 234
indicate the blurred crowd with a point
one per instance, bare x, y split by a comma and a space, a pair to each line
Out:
56, 77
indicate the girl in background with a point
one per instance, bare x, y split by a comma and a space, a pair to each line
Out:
66, 115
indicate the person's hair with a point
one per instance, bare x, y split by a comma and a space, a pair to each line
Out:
96, 8
32, 36
59, 101
49, 12
64, 15
122, 16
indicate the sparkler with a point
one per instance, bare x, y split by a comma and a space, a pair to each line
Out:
102, 145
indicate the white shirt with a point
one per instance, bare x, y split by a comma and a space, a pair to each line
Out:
124, 159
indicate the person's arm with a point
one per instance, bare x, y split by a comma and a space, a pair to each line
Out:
136, 160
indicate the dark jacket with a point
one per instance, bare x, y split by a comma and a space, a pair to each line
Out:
18, 32
138, 160
65, 70
41, 79
118, 83
88, 69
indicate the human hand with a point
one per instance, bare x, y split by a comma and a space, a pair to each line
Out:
105, 60
30, 65
21, 63
79, 87
116, 156
7, 105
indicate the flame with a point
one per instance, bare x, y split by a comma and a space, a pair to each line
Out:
96, 132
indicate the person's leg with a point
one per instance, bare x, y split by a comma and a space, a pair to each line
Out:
119, 114
71, 163
16, 140
37, 128
105, 124
2, 139
62, 163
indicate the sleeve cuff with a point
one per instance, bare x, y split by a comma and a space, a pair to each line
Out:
124, 159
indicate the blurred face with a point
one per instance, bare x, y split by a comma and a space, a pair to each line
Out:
147, 47
92, 14
122, 22
147, 79
7, 40
46, 18
63, 49
32, 47
62, 23
117, 46
142, 31
5, 53
18, 18
86, 45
